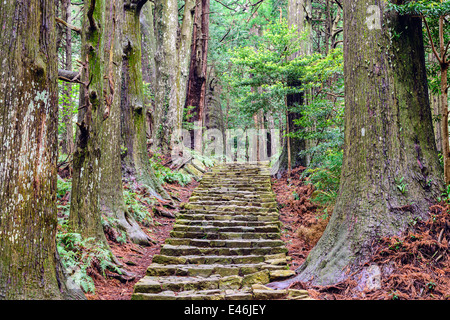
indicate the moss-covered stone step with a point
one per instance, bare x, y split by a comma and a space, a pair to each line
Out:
227, 223
216, 216
227, 243
206, 270
182, 250
208, 259
225, 235
150, 284
211, 210
221, 229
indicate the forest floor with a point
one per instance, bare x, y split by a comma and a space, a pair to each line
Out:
415, 265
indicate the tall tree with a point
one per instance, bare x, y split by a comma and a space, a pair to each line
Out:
196, 88
111, 191
29, 264
136, 166
171, 61
85, 217
67, 106
390, 171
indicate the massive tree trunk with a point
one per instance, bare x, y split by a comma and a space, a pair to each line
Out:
172, 68
166, 24
29, 264
390, 172
196, 88
85, 217
148, 47
111, 191
136, 166
67, 140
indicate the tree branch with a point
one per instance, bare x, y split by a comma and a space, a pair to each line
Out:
69, 76
431, 40
90, 15
68, 25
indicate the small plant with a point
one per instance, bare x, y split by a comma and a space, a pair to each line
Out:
445, 195
78, 255
431, 285
394, 295
136, 207
397, 245
401, 186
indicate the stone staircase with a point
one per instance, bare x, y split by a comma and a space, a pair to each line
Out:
225, 243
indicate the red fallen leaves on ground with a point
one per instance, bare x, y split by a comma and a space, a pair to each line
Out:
137, 258
301, 226
414, 265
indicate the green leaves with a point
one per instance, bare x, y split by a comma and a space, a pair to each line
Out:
427, 8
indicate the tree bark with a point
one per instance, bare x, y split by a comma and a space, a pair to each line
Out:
111, 191
29, 263
390, 171
196, 88
444, 64
166, 25
135, 159
67, 141
85, 216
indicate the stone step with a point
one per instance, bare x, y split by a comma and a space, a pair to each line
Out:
225, 229
184, 250
214, 294
204, 215
251, 199
209, 259
206, 270
151, 284
265, 208
239, 243
227, 223
225, 235
256, 292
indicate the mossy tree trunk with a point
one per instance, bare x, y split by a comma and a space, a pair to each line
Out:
196, 87
67, 146
390, 171
29, 263
85, 215
111, 191
172, 69
135, 159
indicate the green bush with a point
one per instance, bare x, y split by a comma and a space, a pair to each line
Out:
136, 206
326, 177
165, 175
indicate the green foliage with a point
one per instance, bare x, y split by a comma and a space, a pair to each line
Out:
62, 187
138, 206
445, 195
401, 186
165, 175
267, 65
77, 255
325, 177
428, 8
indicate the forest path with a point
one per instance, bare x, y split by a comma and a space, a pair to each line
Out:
225, 243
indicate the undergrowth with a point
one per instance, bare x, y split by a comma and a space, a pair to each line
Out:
165, 174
